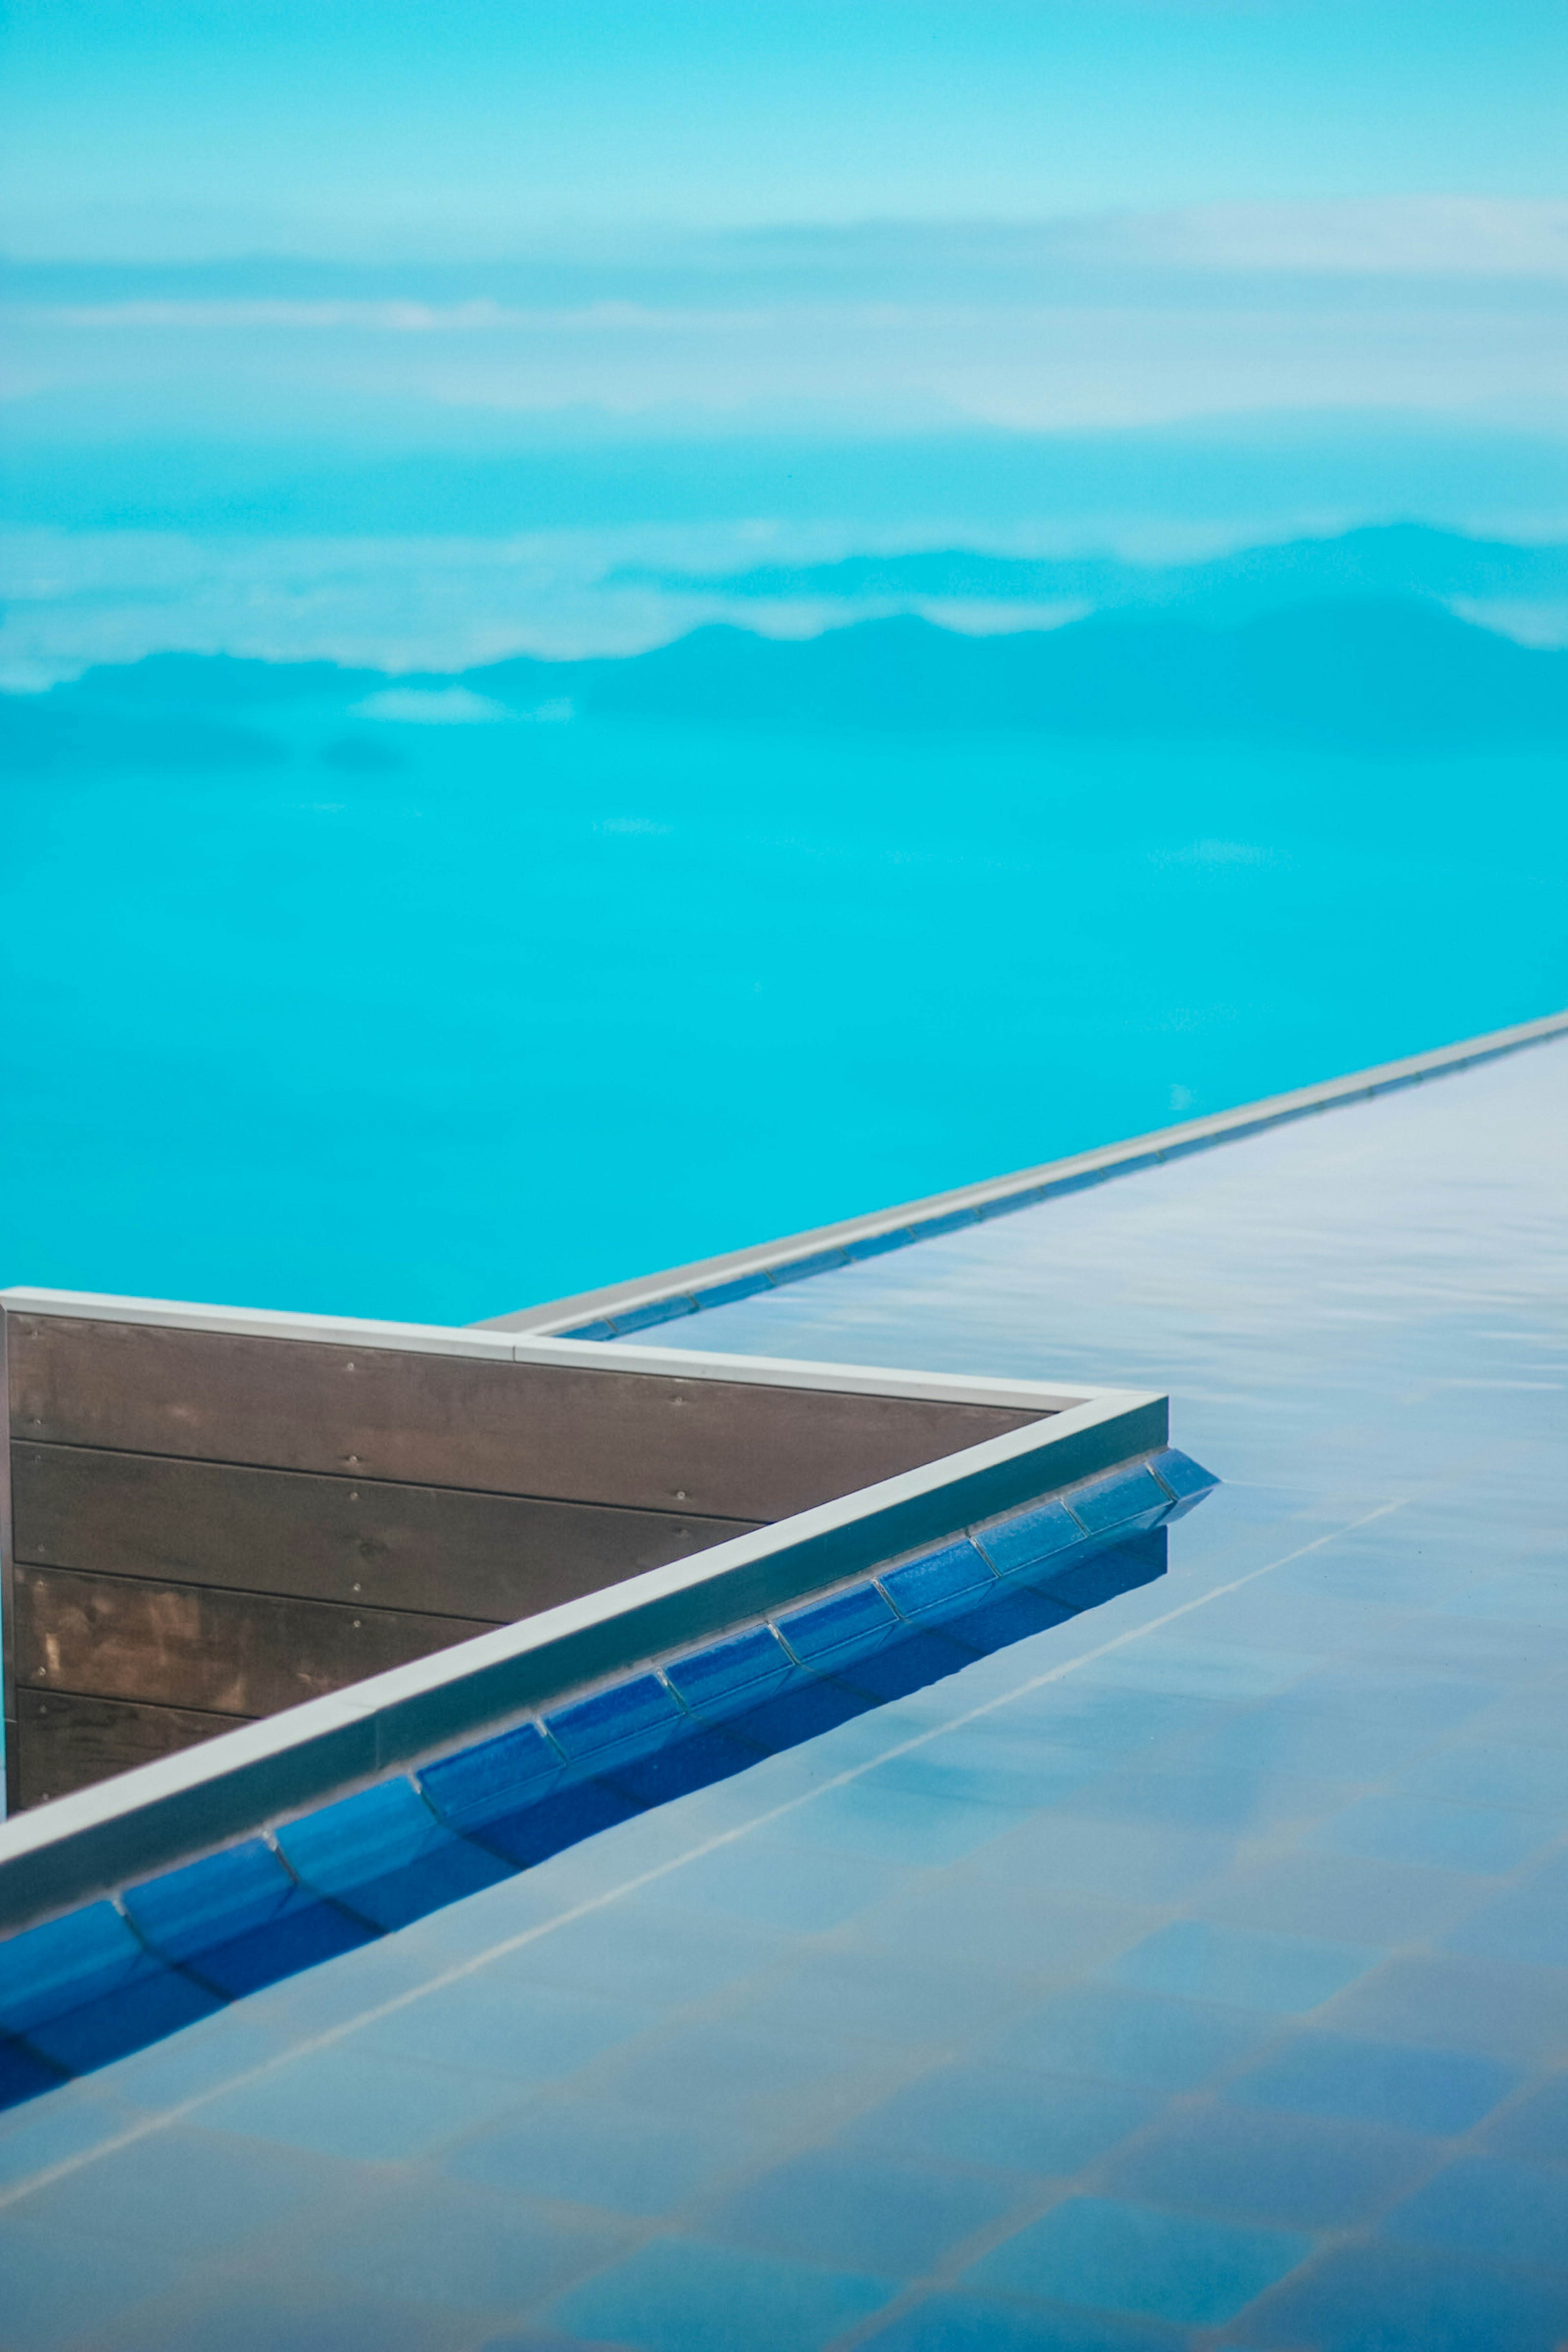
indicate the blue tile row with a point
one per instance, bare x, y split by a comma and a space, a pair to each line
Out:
84, 1989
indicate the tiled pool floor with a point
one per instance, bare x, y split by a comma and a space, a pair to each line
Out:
1194, 1973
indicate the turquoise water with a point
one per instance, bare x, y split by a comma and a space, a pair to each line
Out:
537, 1004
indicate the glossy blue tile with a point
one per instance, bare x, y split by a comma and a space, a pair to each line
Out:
212, 1901
1183, 1475
730, 1675
383, 1856
572, 1812
912, 1661
926, 1229
60, 2290
1014, 1612
1244, 1967
800, 1269
976, 2323
951, 1577
630, 1715
68, 1962
828, 1633
1305, 2172
685, 2295
1400, 2298
1481, 2205
803, 1710
1413, 2088
1123, 2257
697, 1761
1441, 1835
1110, 1502
494, 1776
362, 2105
860, 2211
23, 2074
1025, 1537
599, 1329
1517, 2014
204, 2194
627, 1319
137, 2012
1090, 1579
1006, 2119
878, 1244
1114, 2036
725, 1293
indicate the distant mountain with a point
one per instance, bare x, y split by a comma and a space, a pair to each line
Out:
1395, 560
1389, 673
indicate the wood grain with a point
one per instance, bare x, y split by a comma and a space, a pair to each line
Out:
66, 1742
186, 1645
637, 1441
432, 1548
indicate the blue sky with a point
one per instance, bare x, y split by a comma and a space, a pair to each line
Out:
352, 124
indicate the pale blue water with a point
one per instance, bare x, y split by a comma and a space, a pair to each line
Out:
543, 1003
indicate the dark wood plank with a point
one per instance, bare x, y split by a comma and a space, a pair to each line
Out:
493, 1557
65, 1742
184, 1645
724, 1450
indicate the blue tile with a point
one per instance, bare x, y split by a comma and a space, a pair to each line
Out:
800, 1269
626, 1319
460, 2248
1536, 2131
725, 1293
1113, 2036
239, 1921
212, 1901
269, 2313
134, 2014
1181, 1475
23, 2074
878, 1244
359, 2104
1435, 1833
784, 1886
1528, 1922
1413, 2088
384, 1854
1305, 2172
694, 1761
911, 1662
927, 1229
1091, 1580
1503, 2212
1009, 1613
829, 1632
1134, 2258
730, 1675
61, 2289
592, 2152
573, 1810
860, 2211
1018, 1541
951, 1577
596, 1330
1382, 2297
1110, 1502
1245, 1967
1512, 2013
974, 2323
630, 1715
496, 1777
189, 2189
683, 2295
802, 1712
1006, 2119
532, 2031
1535, 1778
68, 1962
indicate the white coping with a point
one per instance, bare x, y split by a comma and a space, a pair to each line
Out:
106, 1815
585, 1355
648, 1290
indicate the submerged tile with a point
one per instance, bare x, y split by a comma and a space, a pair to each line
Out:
1117, 2256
